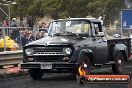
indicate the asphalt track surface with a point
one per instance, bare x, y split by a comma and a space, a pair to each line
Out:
60, 80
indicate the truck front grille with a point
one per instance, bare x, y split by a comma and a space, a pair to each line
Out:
46, 51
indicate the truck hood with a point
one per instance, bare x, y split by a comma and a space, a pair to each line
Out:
54, 41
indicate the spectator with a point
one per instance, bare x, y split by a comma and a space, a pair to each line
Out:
14, 31
31, 37
43, 27
23, 39
23, 27
6, 22
42, 34
101, 19
13, 23
30, 21
37, 35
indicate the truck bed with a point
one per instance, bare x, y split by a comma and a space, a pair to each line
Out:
125, 41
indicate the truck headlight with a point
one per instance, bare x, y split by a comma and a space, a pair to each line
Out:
67, 51
29, 51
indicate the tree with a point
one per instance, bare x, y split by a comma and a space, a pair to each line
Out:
71, 8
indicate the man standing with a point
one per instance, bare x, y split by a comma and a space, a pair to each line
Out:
30, 21
101, 19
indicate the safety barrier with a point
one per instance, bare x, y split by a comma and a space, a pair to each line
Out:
10, 59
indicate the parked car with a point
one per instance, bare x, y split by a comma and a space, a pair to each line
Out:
131, 37
11, 45
117, 36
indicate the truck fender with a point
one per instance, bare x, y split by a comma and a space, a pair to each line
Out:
89, 53
122, 48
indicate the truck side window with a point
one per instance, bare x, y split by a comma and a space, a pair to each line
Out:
97, 27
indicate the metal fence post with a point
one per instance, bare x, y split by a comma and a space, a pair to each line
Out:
4, 37
121, 25
20, 40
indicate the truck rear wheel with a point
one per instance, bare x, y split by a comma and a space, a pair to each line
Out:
36, 74
118, 67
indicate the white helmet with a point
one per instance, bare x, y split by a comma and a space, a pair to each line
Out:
13, 19
100, 17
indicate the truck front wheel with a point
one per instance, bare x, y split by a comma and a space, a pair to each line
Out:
36, 74
118, 67
83, 69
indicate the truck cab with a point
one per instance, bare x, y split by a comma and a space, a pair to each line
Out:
74, 45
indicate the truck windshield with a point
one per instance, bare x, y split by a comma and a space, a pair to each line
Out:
69, 27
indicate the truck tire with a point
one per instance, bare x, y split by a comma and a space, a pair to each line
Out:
118, 67
84, 67
36, 74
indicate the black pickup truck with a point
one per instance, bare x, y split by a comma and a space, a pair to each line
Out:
72, 45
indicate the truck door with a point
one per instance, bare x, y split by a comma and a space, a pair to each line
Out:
101, 55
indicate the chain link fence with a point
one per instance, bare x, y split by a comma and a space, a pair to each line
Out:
14, 38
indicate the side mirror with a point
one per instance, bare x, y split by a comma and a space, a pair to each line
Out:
100, 34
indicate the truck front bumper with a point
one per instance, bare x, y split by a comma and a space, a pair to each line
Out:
48, 66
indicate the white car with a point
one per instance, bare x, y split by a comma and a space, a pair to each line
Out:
131, 37
117, 36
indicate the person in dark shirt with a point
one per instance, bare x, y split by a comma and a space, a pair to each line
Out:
14, 31
23, 39
30, 21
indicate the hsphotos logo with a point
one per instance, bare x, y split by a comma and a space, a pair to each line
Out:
107, 78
